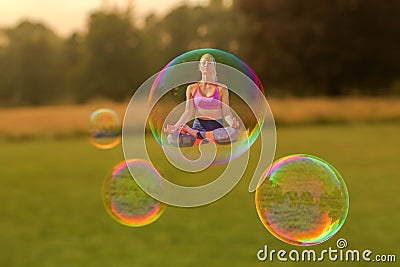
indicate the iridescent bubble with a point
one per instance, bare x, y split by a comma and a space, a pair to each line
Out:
104, 128
229, 81
303, 200
206, 177
125, 201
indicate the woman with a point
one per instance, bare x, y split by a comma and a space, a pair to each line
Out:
208, 101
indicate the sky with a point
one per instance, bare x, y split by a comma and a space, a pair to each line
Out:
67, 16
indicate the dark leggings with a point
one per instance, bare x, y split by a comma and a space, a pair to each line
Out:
204, 126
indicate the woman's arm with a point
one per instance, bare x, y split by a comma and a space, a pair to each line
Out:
187, 115
226, 112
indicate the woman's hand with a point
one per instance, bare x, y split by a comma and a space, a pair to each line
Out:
171, 129
232, 121
235, 123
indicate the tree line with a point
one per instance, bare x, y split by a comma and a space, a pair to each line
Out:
297, 48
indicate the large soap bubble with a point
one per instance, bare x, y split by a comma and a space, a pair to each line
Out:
231, 82
303, 200
207, 163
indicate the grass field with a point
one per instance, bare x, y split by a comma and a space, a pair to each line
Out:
61, 121
52, 212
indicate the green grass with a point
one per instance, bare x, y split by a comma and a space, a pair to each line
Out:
52, 212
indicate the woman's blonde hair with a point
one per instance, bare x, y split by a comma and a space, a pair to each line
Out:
208, 56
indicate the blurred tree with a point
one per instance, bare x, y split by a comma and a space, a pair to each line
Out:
113, 66
331, 47
214, 26
31, 65
151, 45
323, 47
73, 55
4, 93
175, 32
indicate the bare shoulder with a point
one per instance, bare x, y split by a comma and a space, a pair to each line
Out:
223, 86
191, 89
191, 86
223, 89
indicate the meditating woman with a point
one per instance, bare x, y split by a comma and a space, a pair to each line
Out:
208, 102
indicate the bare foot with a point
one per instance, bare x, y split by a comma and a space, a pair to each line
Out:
189, 130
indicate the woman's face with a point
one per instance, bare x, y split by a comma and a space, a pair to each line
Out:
207, 65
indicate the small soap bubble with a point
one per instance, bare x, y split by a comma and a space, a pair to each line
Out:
125, 201
104, 129
303, 200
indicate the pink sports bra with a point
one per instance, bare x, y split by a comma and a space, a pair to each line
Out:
211, 102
